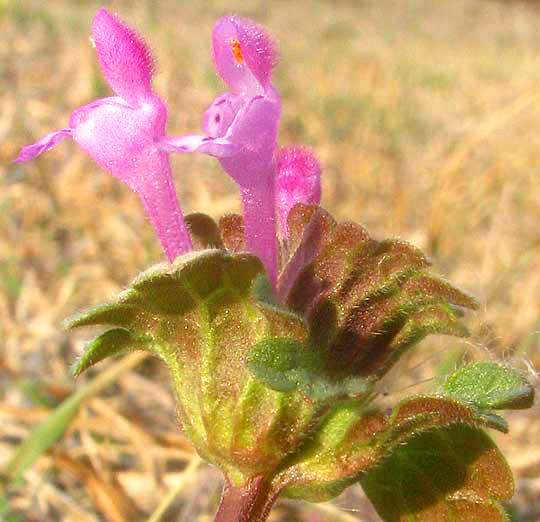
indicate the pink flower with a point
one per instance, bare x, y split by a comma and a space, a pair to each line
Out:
298, 181
122, 133
241, 127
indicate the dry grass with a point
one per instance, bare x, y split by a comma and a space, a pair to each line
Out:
426, 116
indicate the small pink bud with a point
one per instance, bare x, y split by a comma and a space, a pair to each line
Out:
298, 181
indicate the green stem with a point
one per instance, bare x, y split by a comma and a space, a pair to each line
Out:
249, 503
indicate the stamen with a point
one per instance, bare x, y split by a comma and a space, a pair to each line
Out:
236, 51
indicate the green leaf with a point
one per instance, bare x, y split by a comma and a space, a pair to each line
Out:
202, 315
455, 474
352, 441
285, 365
115, 314
163, 296
277, 362
490, 386
451, 360
112, 342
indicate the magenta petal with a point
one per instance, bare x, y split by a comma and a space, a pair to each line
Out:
298, 181
47, 142
255, 128
220, 115
244, 54
125, 59
256, 125
217, 147
260, 222
121, 139
79, 115
120, 133
259, 50
157, 192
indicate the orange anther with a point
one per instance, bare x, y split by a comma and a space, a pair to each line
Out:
236, 50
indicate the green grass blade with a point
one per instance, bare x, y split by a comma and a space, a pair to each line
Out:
47, 433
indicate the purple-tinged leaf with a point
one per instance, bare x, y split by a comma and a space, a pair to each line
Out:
204, 231
231, 229
451, 475
352, 443
201, 316
316, 225
366, 301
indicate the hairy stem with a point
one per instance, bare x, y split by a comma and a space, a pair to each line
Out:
260, 224
249, 503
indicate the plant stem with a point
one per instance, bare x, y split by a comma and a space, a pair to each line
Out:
249, 503
260, 223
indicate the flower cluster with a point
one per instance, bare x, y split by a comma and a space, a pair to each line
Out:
126, 134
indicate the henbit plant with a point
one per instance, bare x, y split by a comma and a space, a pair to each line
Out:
276, 337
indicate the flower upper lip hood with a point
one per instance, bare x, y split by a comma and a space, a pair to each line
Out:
244, 121
121, 132
244, 55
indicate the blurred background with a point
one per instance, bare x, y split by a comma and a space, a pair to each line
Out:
426, 118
